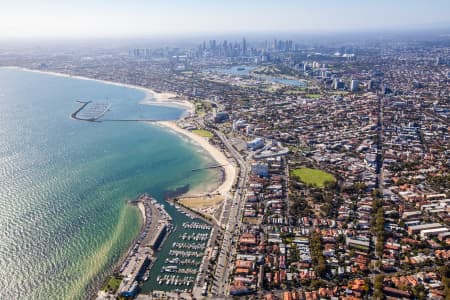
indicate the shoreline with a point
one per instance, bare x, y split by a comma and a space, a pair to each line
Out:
229, 171
140, 252
151, 97
167, 99
228, 168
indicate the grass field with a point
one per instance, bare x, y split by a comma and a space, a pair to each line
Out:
203, 133
295, 91
199, 109
313, 96
313, 176
112, 284
341, 93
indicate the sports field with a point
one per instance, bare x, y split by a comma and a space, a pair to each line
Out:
314, 177
203, 133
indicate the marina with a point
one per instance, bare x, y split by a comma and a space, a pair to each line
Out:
196, 225
196, 246
182, 262
179, 261
135, 267
179, 253
175, 280
90, 111
166, 258
96, 166
195, 237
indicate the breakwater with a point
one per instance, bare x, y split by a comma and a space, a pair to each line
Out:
62, 182
135, 266
83, 105
90, 111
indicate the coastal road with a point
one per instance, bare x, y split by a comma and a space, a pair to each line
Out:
232, 224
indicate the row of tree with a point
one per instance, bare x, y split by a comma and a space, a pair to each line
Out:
318, 260
377, 223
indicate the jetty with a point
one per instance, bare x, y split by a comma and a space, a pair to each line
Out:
131, 120
206, 168
136, 264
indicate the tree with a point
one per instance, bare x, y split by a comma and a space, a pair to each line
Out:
419, 292
444, 271
317, 255
295, 253
376, 193
378, 287
379, 231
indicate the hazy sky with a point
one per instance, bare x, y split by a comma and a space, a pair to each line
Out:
35, 18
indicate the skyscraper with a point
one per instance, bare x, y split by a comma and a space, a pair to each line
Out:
354, 85
338, 84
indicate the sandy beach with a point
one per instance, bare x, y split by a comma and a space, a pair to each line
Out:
151, 97
167, 99
170, 99
218, 156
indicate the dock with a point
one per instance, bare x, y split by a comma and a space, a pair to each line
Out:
136, 264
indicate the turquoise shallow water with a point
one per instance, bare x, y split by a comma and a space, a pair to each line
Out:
64, 183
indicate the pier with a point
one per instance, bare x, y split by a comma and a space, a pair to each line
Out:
92, 112
178, 269
136, 264
130, 120
206, 168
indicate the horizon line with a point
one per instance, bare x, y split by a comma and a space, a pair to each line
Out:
242, 33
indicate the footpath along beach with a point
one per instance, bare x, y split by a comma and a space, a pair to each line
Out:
228, 168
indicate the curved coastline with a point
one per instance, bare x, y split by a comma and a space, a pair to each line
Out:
219, 157
166, 99
151, 97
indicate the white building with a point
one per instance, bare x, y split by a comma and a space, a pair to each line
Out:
354, 85
432, 232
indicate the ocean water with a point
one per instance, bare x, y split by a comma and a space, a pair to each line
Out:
64, 221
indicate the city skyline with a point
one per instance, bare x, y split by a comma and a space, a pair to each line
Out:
24, 19
251, 150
